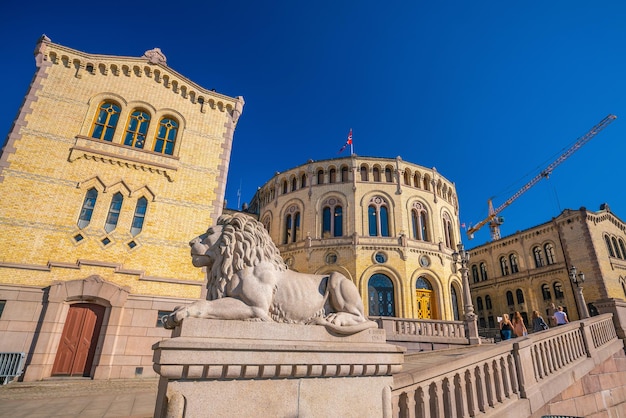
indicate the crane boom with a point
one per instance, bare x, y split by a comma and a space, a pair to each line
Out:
495, 221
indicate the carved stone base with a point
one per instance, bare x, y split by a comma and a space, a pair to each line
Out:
251, 369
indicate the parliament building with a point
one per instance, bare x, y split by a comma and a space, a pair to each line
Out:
112, 165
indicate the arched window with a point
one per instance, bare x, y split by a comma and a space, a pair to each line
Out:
488, 302
285, 187
388, 175
416, 180
364, 176
106, 121
294, 184
376, 173
332, 218
419, 222
475, 275
292, 225
514, 266
538, 254
479, 303
558, 290
519, 295
303, 180
114, 212
549, 249
378, 217
139, 216
483, 272
137, 128
381, 296
344, 174
320, 176
504, 266
609, 246
333, 175
166, 136
545, 292
455, 303
448, 230
623, 283
509, 298
407, 177
87, 209
622, 247
616, 247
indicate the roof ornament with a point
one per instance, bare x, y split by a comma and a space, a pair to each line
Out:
155, 56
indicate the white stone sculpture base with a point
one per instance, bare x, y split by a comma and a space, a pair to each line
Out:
217, 368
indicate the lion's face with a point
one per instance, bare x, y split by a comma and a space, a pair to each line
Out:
204, 247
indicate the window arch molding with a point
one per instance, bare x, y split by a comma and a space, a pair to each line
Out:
332, 215
94, 107
420, 220
159, 115
291, 221
378, 207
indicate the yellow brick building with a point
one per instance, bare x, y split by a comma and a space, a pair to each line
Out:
389, 225
531, 269
112, 165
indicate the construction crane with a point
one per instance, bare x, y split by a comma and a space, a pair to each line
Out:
495, 221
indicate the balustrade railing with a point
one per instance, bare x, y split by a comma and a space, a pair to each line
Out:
484, 380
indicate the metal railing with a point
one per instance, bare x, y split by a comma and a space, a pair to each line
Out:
11, 366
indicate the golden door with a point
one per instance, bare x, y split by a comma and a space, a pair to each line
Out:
425, 303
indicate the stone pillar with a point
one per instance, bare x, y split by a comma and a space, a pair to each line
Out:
251, 369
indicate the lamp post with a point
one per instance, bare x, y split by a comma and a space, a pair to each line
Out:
578, 279
461, 259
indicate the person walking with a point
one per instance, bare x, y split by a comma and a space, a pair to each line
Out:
519, 328
538, 323
560, 317
506, 327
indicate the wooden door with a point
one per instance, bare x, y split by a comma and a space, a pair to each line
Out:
79, 339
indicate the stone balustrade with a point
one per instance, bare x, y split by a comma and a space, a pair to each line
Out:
516, 377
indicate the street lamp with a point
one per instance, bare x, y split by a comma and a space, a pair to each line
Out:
461, 258
578, 279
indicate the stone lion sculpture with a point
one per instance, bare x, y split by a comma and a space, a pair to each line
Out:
248, 280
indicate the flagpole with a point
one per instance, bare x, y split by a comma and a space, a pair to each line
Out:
351, 146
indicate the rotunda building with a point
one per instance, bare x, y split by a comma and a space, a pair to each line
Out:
388, 225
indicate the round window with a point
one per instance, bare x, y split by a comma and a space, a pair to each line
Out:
380, 257
331, 258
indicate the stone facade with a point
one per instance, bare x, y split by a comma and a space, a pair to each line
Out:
389, 225
112, 165
530, 270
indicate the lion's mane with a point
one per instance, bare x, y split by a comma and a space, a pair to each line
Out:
244, 243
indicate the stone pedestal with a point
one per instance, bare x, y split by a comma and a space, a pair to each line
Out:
216, 368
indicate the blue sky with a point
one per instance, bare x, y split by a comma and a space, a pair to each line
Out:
489, 92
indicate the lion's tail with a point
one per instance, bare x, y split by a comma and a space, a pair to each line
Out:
346, 329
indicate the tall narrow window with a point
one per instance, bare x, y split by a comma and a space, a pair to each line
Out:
332, 218
538, 254
545, 292
519, 295
166, 136
514, 266
455, 303
479, 303
137, 128
549, 249
475, 276
140, 214
509, 298
294, 184
488, 302
617, 251
558, 290
419, 222
87, 210
332, 173
483, 272
378, 217
376, 174
106, 121
292, 225
609, 246
320, 177
303, 181
114, 212
364, 176
504, 266
388, 175
344, 174
285, 188
447, 231
622, 247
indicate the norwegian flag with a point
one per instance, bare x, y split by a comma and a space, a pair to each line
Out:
348, 142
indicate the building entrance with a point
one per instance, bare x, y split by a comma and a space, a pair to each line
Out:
79, 339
